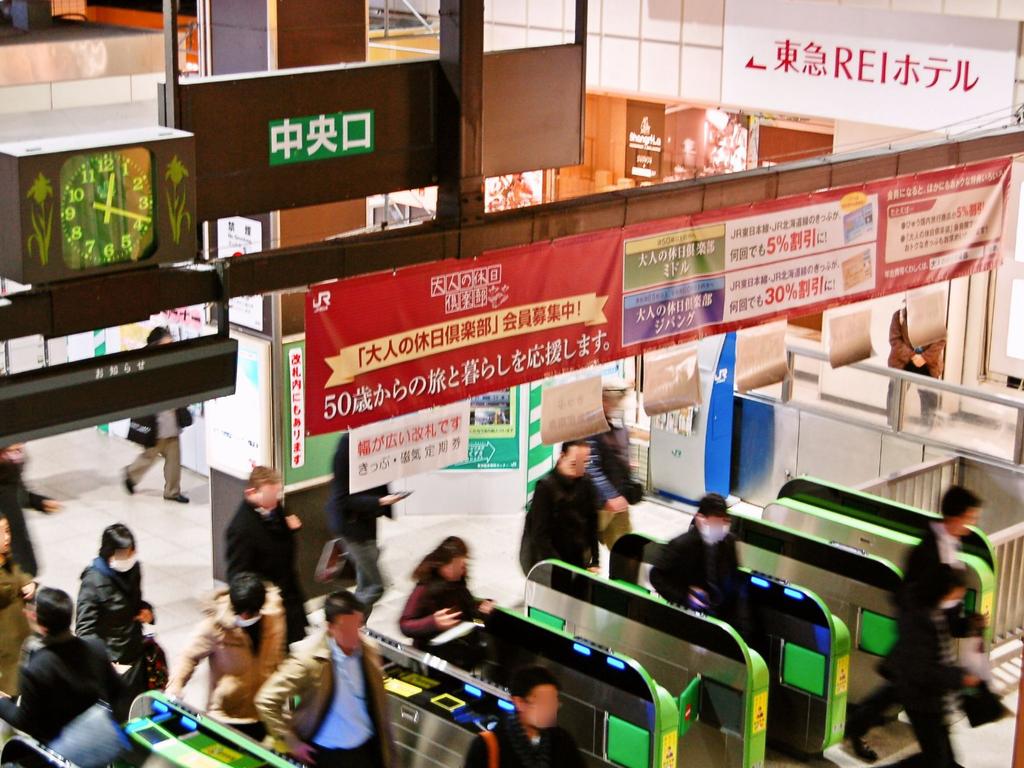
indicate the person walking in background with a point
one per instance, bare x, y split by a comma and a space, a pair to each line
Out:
441, 600
158, 434
243, 638
16, 590
14, 499
609, 466
925, 361
63, 677
261, 539
529, 737
561, 522
341, 720
700, 569
111, 608
353, 518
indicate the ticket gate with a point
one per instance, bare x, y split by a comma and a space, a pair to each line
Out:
857, 588
884, 528
25, 752
807, 650
166, 732
616, 712
722, 685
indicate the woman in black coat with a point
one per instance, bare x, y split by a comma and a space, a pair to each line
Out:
14, 498
111, 608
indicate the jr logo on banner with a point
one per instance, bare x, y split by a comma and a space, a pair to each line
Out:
392, 343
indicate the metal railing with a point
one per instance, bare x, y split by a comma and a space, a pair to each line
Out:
921, 485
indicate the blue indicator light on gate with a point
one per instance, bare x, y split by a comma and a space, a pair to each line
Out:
581, 649
508, 706
617, 663
757, 581
472, 690
789, 592
159, 706
188, 723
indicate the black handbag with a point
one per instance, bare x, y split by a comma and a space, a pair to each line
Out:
982, 706
633, 492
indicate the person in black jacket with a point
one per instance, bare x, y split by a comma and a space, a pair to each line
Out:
924, 577
561, 523
925, 669
260, 539
14, 498
64, 675
111, 608
700, 570
158, 434
353, 518
609, 466
529, 737
441, 600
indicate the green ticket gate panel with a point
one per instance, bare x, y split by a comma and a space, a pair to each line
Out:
610, 703
677, 647
164, 731
881, 527
848, 581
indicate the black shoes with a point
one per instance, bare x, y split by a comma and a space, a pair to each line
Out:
179, 498
128, 484
862, 749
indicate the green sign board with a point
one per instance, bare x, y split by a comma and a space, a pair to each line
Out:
673, 256
493, 431
321, 137
305, 458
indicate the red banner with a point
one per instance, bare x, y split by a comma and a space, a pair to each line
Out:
391, 343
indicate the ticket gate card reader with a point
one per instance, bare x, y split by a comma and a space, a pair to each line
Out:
618, 715
25, 752
674, 645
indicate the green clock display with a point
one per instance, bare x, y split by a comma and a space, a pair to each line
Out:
107, 211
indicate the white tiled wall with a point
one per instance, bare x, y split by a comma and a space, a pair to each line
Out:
671, 48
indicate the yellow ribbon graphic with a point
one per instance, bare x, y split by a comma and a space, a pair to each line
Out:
396, 349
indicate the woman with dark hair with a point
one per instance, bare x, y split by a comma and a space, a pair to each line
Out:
110, 607
441, 600
16, 589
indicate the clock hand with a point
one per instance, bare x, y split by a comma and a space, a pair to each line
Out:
107, 209
110, 198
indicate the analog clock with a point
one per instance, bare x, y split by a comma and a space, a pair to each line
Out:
107, 213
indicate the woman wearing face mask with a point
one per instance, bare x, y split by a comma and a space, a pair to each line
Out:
110, 607
16, 589
700, 570
529, 737
14, 498
441, 601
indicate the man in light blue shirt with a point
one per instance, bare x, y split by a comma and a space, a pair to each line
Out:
341, 720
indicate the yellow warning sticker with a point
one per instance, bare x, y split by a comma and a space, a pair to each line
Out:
760, 712
842, 675
668, 749
986, 606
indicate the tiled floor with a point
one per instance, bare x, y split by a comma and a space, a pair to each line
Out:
84, 470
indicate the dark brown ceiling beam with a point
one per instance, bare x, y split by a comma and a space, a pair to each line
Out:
130, 296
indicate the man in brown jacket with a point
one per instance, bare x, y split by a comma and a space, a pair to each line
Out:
341, 719
243, 637
926, 361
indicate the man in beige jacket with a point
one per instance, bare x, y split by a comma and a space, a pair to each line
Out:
341, 718
243, 637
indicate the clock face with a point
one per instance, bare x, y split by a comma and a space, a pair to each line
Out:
107, 208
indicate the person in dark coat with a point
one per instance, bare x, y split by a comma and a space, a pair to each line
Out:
609, 467
925, 671
158, 434
111, 608
441, 600
529, 737
924, 577
561, 523
14, 498
261, 539
353, 518
63, 677
700, 569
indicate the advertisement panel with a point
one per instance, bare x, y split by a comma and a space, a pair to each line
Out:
238, 433
493, 431
385, 344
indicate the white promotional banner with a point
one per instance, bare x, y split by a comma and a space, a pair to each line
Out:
237, 235
408, 445
910, 70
